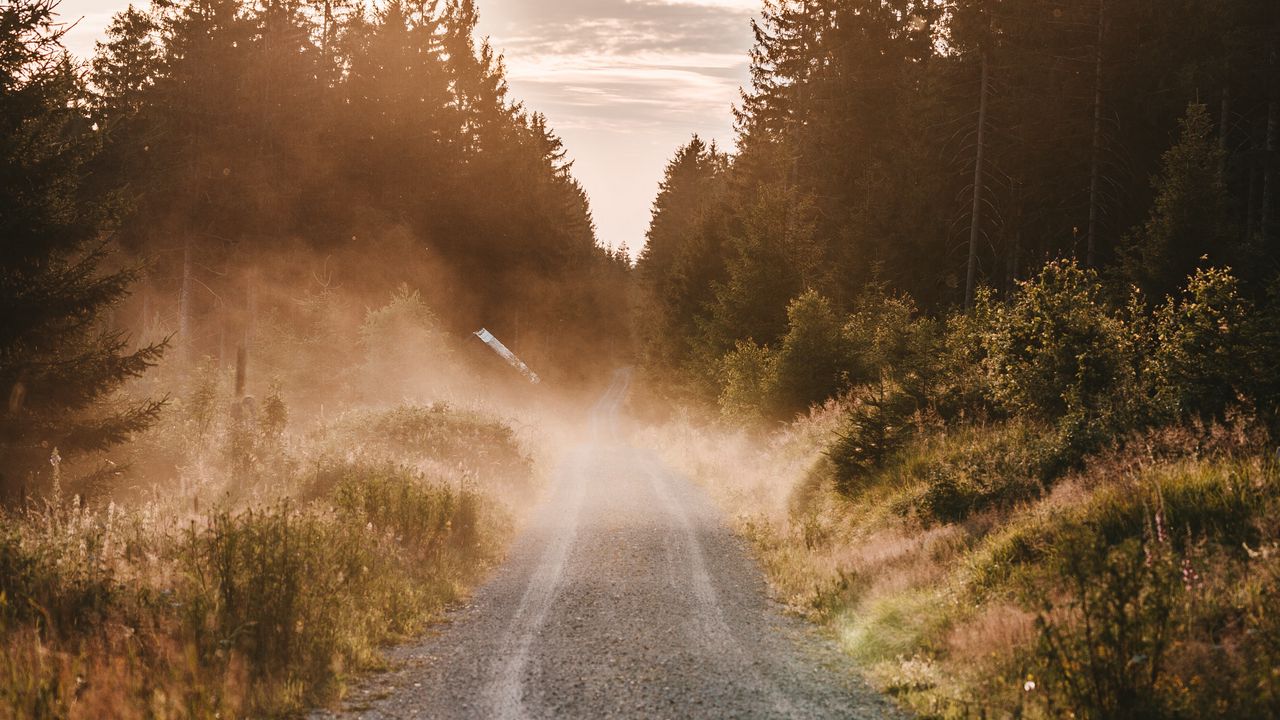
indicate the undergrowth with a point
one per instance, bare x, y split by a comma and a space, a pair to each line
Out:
969, 575
262, 580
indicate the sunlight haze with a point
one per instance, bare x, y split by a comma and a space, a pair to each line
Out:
623, 82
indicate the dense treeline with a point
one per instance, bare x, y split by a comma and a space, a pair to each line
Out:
929, 149
1011, 271
224, 174
243, 133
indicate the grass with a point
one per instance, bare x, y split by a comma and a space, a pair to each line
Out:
1168, 541
264, 610
268, 582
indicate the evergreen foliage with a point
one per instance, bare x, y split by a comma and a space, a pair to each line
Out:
61, 359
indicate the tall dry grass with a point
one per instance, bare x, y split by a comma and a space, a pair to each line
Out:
265, 576
986, 611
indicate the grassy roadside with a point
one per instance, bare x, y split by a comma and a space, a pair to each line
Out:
1142, 584
268, 580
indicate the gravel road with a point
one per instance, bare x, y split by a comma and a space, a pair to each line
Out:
626, 596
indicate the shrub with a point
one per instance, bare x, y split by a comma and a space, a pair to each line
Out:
1102, 654
896, 360
880, 421
1057, 349
405, 350
749, 379
961, 388
998, 470
55, 580
1204, 342
885, 335
812, 360
442, 432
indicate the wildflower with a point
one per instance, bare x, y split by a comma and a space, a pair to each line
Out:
1190, 579
1028, 686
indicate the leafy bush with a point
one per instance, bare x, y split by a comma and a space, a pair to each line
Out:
888, 338
1057, 349
442, 432
879, 422
896, 361
961, 388
1204, 345
749, 379
1103, 653
253, 612
812, 360
58, 583
405, 350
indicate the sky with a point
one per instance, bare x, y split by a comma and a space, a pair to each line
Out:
623, 82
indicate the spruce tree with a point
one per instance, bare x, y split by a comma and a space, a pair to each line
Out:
59, 359
1191, 217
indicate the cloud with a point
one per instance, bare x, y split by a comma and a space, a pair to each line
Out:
624, 82
619, 63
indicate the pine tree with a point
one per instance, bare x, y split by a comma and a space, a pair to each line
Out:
680, 259
59, 360
1191, 217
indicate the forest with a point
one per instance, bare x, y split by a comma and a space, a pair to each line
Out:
242, 171
930, 150
994, 288
247, 437
973, 331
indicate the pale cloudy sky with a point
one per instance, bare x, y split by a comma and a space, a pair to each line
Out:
624, 82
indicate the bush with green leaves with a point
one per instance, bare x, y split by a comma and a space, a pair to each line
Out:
442, 432
406, 352
1203, 355
879, 422
812, 361
1103, 652
961, 388
748, 383
1058, 349
896, 363
888, 338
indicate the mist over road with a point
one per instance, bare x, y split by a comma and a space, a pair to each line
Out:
626, 596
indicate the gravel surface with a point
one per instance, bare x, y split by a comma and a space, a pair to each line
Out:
626, 596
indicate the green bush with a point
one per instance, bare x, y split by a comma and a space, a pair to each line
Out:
1103, 653
813, 359
1057, 348
442, 432
961, 388
1202, 356
879, 422
897, 363
406, 352
58, 585
749, 379
299, 593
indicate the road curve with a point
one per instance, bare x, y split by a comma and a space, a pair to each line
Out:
624, 597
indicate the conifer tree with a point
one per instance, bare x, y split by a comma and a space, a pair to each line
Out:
59, 358
1191, 216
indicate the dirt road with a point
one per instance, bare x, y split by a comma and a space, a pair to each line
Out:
625, 597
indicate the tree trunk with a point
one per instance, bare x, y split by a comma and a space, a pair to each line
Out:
1269, 171
1269, 148
976, 219
1251, 213
1015, 243
1095, 153
1224, 128
184, 305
